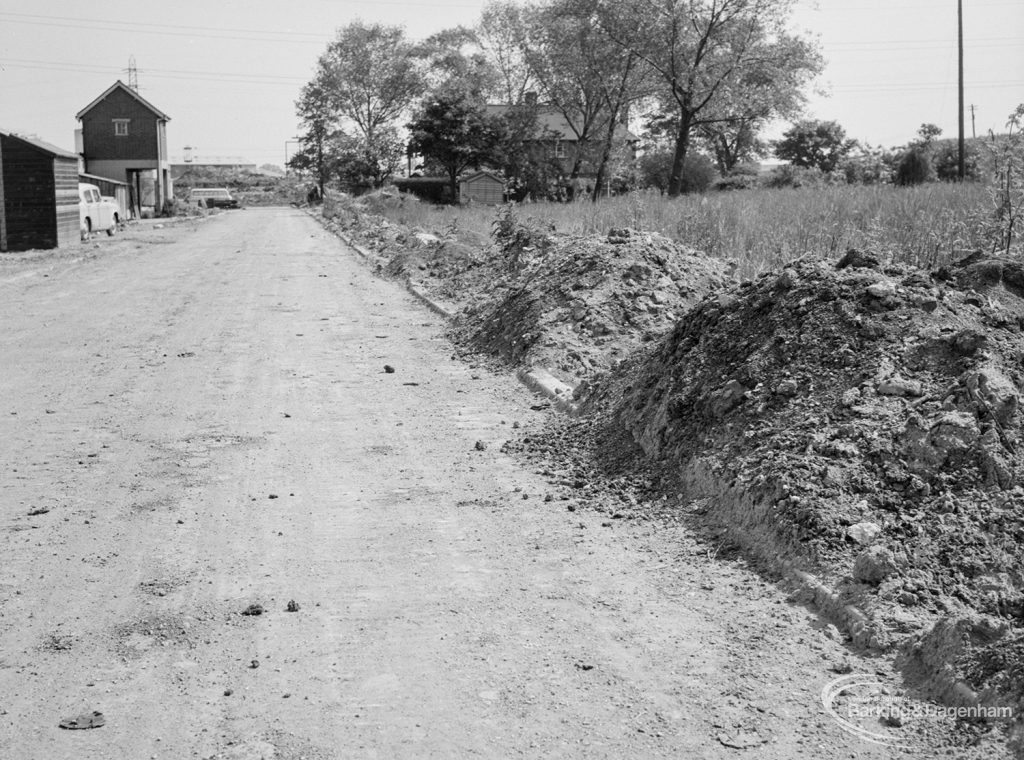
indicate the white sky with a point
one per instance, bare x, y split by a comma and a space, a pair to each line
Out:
228, 71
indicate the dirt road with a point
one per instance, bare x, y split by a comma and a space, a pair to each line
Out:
197, 419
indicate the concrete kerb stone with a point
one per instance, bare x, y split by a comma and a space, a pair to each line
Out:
847, 617
537, 379
540, 380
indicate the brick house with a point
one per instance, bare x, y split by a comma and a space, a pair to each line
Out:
124, 138
553, 139
557, 138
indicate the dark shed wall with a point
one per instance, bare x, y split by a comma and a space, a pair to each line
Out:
29, 196
101, 144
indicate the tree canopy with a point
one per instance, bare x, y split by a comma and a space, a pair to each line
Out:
814, 144
718, 61
711, 72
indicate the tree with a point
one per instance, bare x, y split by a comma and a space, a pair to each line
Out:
453, 129
733, 142
557, 48
501, 34
316, 114
814, 145
350, 161
717, 60
927, 133
590, 78
655, 168
453, 57
914, 168
370, 76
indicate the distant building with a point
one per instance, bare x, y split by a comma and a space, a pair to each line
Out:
124, 138
191, 161
38, 194
555, 136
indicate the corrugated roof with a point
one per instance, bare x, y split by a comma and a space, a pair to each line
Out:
131, 92
41, 145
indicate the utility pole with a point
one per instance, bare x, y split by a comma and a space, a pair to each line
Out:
973, 133
960, 57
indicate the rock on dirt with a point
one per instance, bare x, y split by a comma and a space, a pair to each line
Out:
812, 403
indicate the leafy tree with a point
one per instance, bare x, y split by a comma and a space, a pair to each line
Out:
453, 130
603, 78
316, 114
349, 161
814, 145
558, 50
927, 133
454, 57
716, 60
501, 34
585, 76
733, 142
370, 76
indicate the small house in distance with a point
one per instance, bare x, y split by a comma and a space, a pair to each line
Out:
124, 138
482, 187
38, 195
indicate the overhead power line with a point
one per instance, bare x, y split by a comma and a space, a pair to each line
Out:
211, 76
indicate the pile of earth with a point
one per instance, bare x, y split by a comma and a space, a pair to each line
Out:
450, 264
578, 305
861, 421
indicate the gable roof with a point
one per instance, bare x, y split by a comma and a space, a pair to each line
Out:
482, 173
38, 144
551, 122
121, 85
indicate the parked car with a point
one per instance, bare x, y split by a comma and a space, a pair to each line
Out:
212, 197
96, 212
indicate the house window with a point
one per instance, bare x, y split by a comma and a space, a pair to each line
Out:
121, 127
559, 149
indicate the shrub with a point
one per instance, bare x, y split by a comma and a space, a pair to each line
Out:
654, 168
914, 168
946, 158
788, 175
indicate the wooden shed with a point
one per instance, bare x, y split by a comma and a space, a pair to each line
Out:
38, 195
482, 187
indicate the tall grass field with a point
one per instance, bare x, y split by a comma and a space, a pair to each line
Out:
927, 225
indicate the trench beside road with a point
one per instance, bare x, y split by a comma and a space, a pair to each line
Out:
200, 421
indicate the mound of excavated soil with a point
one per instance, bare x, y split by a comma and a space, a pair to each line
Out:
862, 420
588, 302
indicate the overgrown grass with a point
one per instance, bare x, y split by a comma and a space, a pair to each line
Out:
761, 229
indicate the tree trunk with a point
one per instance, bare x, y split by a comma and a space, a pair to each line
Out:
320, 165
675, 180
606, 152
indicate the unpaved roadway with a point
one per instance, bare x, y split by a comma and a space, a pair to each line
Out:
200, 420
